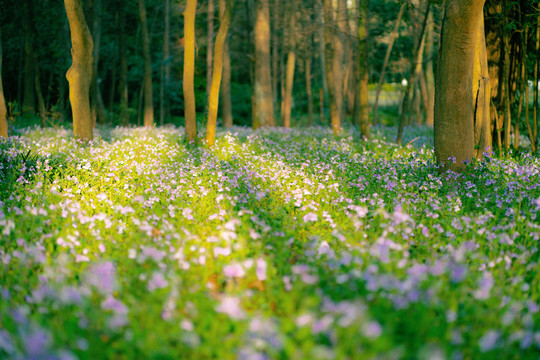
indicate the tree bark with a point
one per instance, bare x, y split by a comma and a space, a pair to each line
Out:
393, 37
264, 103
3, 109
79, 74
210, 41
361, 108
291, 59
148, 91
213, 99
454, 107
505, 91
189, 70
319, 10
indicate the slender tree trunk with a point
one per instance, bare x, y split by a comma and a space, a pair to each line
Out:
39, 94
536, 113
3, 109
148, 91
481, 95
99, 114
276, 47
213, 100
422, 85
505, 90
523, 83
309, 92
291, 59
321, 35
210, 41
29, 100
165, 67
79, 74
189, 70
264, 103
430, 80
122, 49
454, 108
226, 109
414, 72
334, 58
361, 108
393, 36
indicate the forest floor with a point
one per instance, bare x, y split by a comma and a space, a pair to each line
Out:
274, 244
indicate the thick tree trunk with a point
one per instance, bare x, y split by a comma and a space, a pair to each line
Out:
189, 70
393, 37
148, 91
210, 42
276, 45
3, 109
122, 49
454, 107
213, 100
291, 59
226, 109
264, 103
79, 74
361, 108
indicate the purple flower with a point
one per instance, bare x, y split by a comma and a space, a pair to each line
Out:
234, 271
230, 306
102, 276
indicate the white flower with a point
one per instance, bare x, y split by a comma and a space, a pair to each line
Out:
310, 217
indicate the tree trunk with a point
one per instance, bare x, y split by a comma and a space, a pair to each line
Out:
148, 95
79, 74
334, 58
213, 100
165, 68
414, 72
309, 92
291, 59
39, 94
29, 100
3, 109
393, 37
99, 114
210, 41
276, 53
361, 108
122, 81
319, 10
430, 80
536, 113
505, 90
264, 103
226, 109
481, 95
189, 70
454, 108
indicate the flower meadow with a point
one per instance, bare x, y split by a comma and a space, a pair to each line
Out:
274, 244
